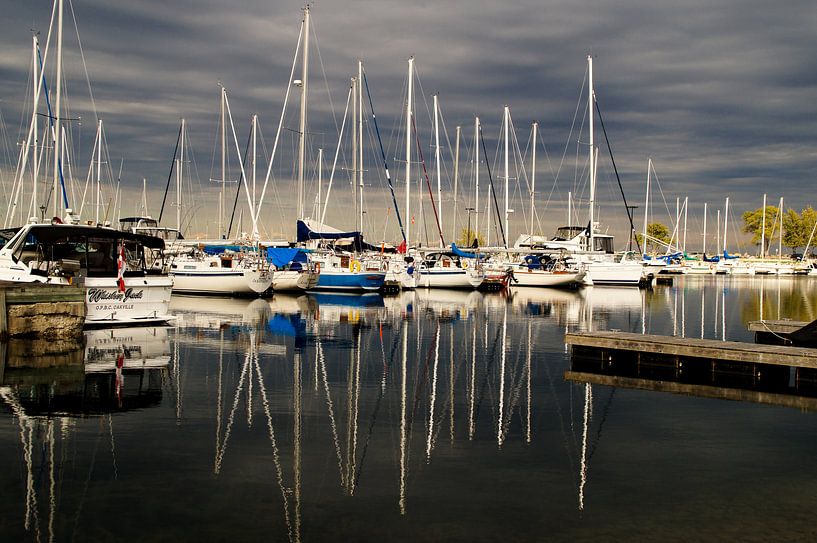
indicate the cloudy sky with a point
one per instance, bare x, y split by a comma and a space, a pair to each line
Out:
722, 94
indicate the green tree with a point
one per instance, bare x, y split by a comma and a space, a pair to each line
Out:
466, 238
655, 231
797, 228
753, 223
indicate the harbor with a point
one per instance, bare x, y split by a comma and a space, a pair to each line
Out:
392, 272
410, 407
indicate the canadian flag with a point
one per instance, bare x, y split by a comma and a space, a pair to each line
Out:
120, 275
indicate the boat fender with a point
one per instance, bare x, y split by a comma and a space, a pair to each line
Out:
354, 266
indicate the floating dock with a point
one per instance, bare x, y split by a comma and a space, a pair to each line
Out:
705, 349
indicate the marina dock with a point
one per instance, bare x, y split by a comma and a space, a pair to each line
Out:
40, 310
704, 349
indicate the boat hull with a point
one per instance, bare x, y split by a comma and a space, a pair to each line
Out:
615, 273
145, 300
543, 278
291, 280
234, 282
344, 280
450, 278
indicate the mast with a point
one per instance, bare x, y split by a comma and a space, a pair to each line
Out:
144, 197
408, 149
647, 203
780, 240
476, 179
254, 153
507, 173
437, 156
222, 212
725, 219
354, 153
320, 176
360, 138
302, 122
35, 122
686, 213
718, 223
569, 204
592, 244
533, 174
703, 247
763, 230
456, 182
179, 175
57, 110
98, 166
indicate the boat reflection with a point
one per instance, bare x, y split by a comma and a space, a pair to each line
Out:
49, 386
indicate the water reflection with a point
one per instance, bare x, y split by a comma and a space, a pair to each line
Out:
411, 410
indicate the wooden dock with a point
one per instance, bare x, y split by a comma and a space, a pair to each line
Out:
692, 389
784, 326
705, 349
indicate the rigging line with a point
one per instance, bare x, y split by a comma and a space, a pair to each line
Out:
383, 156
238, 189
491, 182
613, 160
54, 133
335, 160
170, 174
281, 120
84, 65
428, 181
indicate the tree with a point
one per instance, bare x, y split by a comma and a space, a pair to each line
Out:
466, 238
753, 223
797, 228
655, 231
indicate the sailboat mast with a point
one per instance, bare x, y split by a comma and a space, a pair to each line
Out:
254, 153
408, 149
360, 138
686, 213
223, 212
725, 220
780, 239
437, 157
98, 167
592, 151
647, 203
533, 174
38, 81
507, 173
57, 112
354, 152
718, 223
456, 182
703, 247
179, 176
763, 229
302, 122
320, 176
476, 178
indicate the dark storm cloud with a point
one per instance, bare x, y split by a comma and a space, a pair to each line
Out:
720, 94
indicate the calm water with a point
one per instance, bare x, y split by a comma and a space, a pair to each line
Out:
430, 416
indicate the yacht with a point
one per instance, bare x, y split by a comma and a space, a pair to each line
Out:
121, 272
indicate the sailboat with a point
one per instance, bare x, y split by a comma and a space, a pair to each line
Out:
220, 270
603, 267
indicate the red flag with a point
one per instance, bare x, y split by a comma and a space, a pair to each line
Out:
402, 247
120, 276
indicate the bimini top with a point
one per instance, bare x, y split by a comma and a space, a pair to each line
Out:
57, 233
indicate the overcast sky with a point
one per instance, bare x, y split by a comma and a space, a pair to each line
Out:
722, 94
